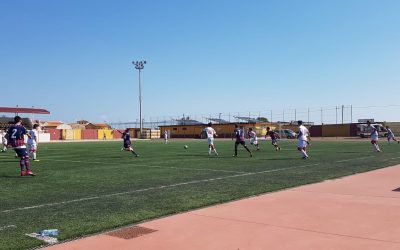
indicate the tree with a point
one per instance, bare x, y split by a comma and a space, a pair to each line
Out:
262, 119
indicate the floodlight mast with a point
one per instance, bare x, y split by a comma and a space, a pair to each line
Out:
139, 65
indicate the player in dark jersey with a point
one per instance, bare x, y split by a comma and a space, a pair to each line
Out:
274, 138
239, 135
126, 136
15, 136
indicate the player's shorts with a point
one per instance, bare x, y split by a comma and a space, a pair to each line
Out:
32, 148
390, 136
210, 141
274, 141
253, 141
127, 145
21, 152
301, 144
240, 142
374, 139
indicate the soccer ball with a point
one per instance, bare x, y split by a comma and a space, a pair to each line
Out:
185, 147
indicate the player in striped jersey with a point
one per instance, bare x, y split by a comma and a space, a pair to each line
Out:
15, 135
274, 138
239, 135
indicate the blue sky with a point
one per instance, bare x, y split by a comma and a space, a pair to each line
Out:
204, 57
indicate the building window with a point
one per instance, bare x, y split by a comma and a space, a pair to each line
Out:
175, 129
184, 128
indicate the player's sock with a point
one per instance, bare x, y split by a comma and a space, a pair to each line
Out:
304, 153
377, 148
209, 151
215, 152
235, 149
133, 152
22, 165
248, 150
34, 155
27, 164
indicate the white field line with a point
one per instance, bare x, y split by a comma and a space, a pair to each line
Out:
153, 188
354, 159
394, 158
7, 227
148, 166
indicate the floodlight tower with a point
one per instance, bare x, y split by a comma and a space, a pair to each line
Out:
139, 65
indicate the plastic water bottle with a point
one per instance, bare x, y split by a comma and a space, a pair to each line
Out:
49, 232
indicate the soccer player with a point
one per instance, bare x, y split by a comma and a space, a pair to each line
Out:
127, 142
239, 135
374, 136
166, 136
303, 140
253, 138
274, 138
15, 135
390, 135
210, 132
3, 141
33, 141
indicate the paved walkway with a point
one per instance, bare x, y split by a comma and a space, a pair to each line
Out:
356, 212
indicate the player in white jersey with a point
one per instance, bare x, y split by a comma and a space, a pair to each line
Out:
253, 138
374, 136
304, 139
166, 136
33, 141
390, 135
210, 132
3, 141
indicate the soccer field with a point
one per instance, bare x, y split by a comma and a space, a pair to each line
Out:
89, 187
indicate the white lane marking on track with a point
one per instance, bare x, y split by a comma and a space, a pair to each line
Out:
353, 159
149, 166
154, 188
2, 228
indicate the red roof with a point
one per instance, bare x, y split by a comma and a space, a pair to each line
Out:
24, 110
53, 123
101, 125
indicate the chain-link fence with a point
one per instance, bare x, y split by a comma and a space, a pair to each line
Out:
324, 115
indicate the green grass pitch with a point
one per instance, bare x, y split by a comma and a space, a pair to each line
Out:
90, 187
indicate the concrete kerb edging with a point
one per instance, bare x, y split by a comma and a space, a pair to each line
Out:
208, 206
